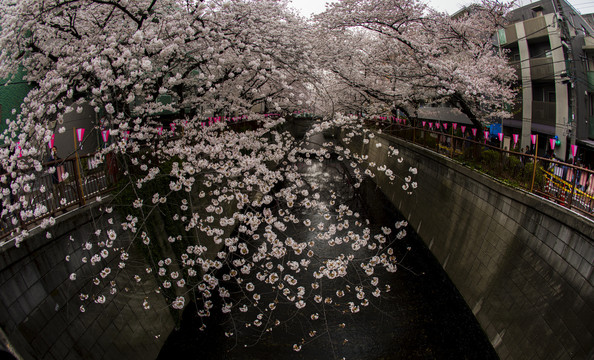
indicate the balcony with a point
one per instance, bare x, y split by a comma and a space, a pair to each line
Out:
544, 113
536, 28
542, 69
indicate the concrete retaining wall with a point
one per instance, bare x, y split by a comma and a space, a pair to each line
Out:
523, 264
40, 306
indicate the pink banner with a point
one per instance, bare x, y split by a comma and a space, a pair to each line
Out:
430, 125
500, 136
445, 126
424, 122
463, 128
105, 134
172, 125
552, 142
516, 137
486, 133
474, 132
574, 151
51, 142
20, 151
126, 134
160, 131
455, 126
437, 125
533, 139
80, 133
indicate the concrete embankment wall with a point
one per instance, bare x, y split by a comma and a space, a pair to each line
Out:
523, 264
40, 306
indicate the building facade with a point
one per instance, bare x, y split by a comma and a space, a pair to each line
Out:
551, 47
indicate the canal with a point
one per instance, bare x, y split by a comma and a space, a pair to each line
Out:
418, 313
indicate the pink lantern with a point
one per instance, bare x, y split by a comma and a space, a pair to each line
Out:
533, 139
474, 132
51, 142
445, 126
516, 137
80, 132
574, 151
160, 131
105, 135
552, 142
500, 136
455, 126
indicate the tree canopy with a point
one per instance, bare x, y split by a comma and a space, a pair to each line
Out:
221, 58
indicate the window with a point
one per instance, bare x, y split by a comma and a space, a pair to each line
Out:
589, 61
543, 92
540, 49
502, 38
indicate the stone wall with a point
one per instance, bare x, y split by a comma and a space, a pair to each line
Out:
40, 306
522, 263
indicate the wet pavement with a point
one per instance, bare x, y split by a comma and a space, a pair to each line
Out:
419, 314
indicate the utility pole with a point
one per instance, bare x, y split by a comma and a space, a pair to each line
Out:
569, 76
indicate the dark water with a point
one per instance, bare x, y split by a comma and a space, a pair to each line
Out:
422, 316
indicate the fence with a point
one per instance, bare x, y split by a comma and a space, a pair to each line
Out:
566, 184
65, 185
62, 186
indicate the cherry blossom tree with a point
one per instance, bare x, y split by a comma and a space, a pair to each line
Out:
233, 200
228, 198
123, 57
408, 55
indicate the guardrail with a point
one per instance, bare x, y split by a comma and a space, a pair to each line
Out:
566, 184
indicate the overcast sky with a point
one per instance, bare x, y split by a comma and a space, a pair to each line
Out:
307, 7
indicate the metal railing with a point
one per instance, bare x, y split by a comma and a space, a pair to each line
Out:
569, 185
67, 184
61, 186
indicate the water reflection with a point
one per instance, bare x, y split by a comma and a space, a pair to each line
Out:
418, 315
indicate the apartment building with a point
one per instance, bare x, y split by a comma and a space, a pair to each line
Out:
551, 47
